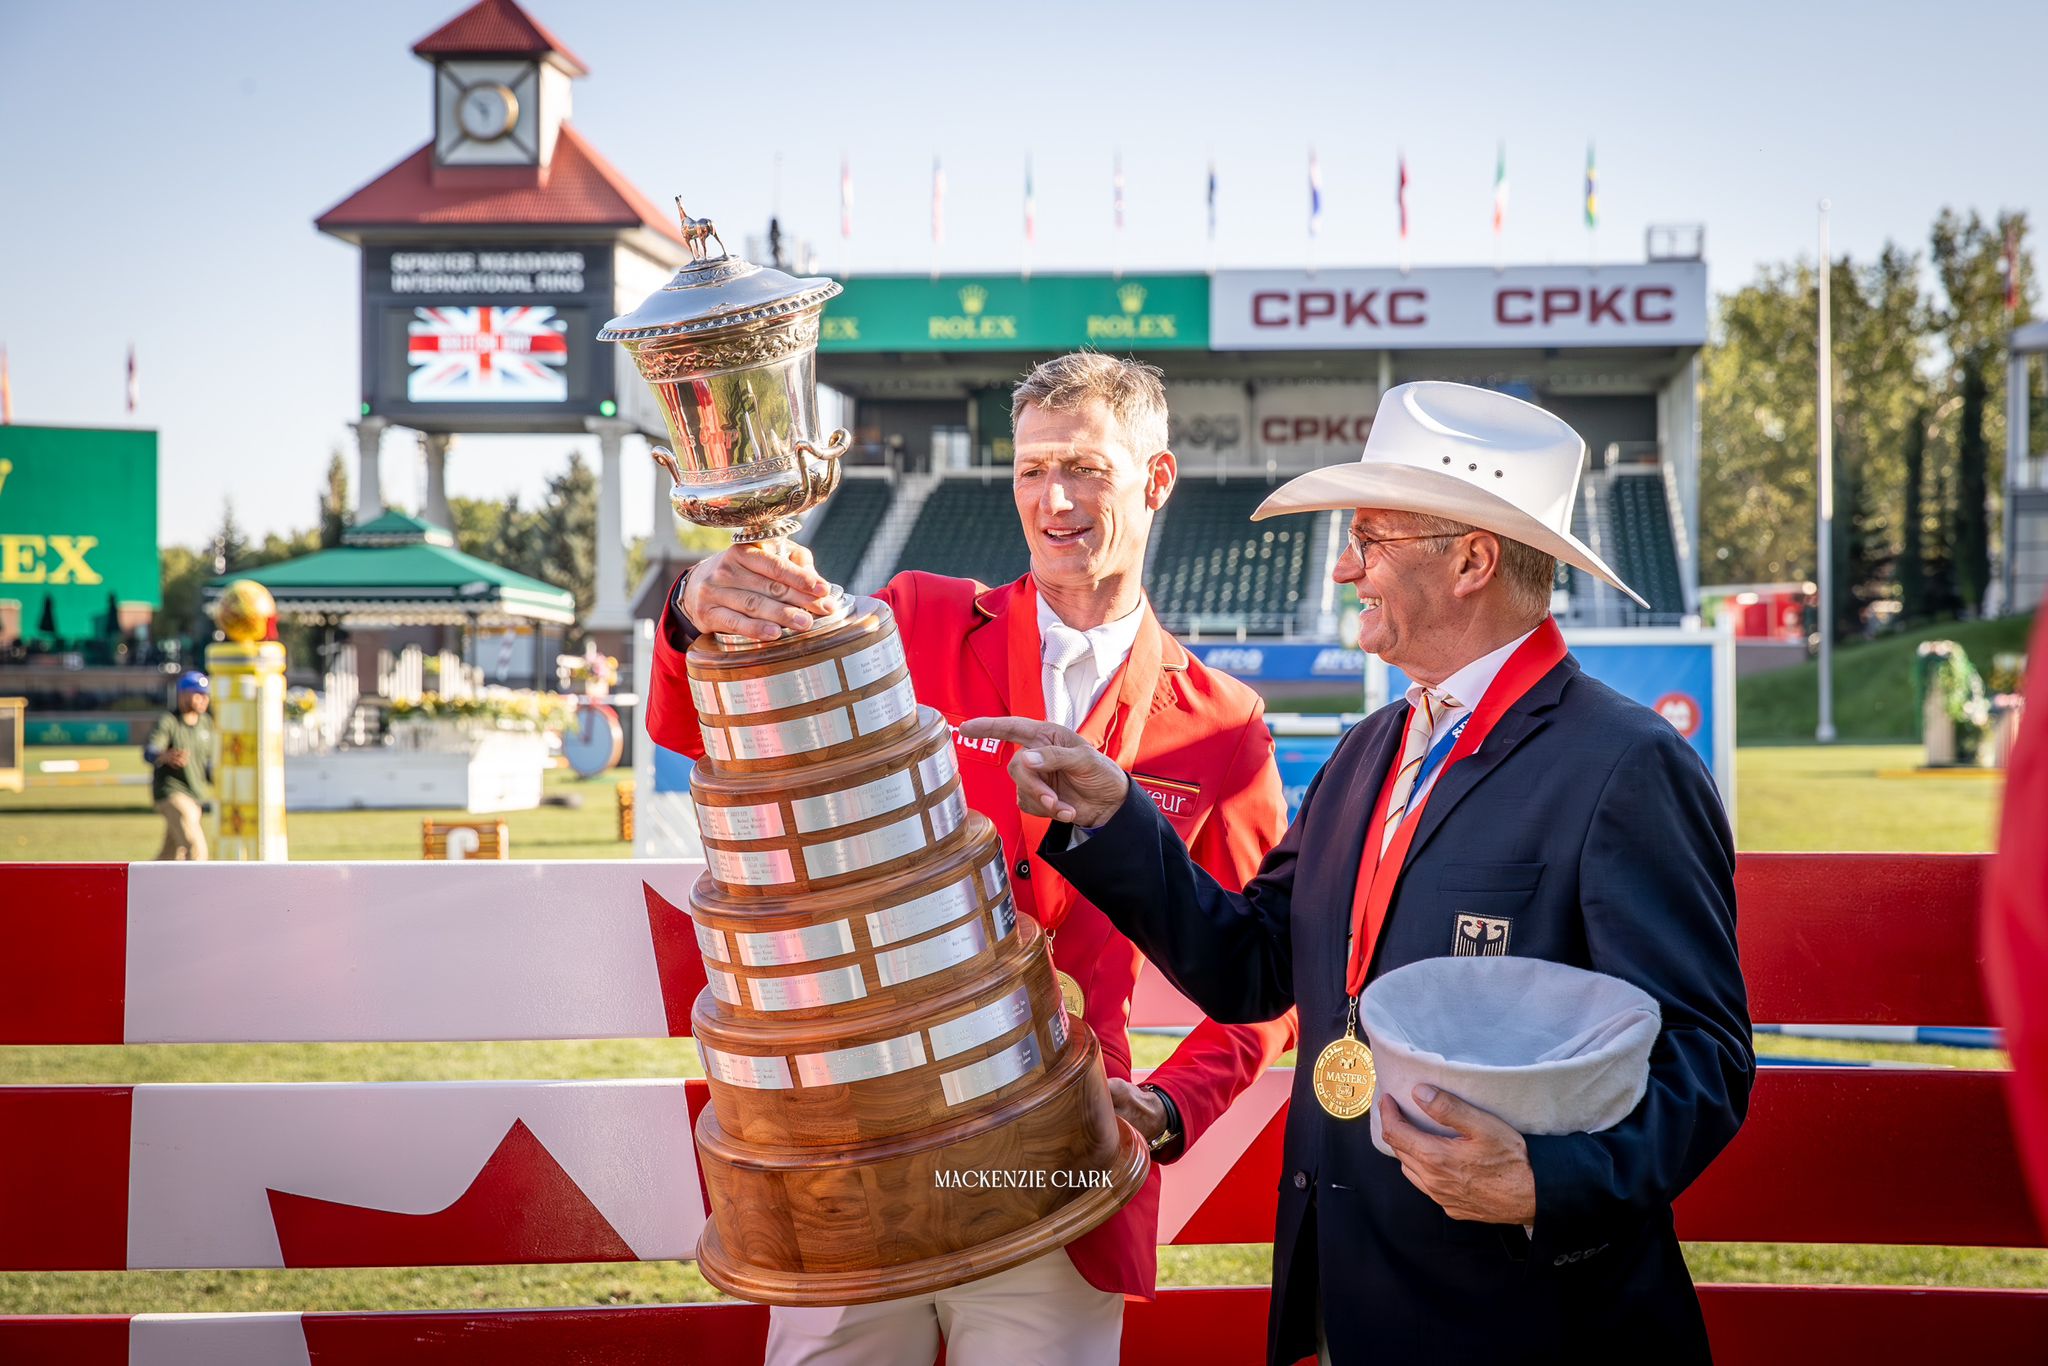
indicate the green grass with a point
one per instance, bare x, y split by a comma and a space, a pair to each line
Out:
1789, 798
1875, 698
1860, 798
118, 823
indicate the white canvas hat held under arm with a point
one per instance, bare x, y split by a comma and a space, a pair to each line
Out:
1469, 454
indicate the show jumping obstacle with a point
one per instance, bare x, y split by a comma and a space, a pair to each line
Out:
480, 1173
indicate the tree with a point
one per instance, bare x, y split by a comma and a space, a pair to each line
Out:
1758, 468
1912, 551
1973, 533
1862, 561
334, 516
560, 537
230, 546
185, 572
1968, 255
480, 526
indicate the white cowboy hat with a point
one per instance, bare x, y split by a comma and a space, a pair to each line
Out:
1550, 1048
1472, 455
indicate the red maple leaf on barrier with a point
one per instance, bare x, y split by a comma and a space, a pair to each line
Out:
522, 1207
677, 959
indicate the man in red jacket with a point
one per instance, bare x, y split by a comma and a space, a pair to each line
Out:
1073, 640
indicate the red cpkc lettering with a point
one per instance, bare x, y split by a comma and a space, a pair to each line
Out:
1176, 801
1276, 430
1347, 308
1614, 305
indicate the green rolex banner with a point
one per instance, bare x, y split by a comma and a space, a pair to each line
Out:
1011, 313
77, 526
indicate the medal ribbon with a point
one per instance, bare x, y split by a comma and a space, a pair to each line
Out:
1128, 704
1378, 875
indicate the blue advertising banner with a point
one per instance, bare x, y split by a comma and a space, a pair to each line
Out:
1282, 661
1687, 677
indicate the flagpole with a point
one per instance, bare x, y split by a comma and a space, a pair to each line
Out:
938, 212
1116, 257
1825, 523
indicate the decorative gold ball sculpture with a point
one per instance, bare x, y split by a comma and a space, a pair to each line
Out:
244, 611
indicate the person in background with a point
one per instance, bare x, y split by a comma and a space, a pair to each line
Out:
180, 755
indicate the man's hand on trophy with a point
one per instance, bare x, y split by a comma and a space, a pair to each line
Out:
1139, 1108
759, 590
1057, 773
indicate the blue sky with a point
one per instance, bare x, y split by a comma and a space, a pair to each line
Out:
162, 164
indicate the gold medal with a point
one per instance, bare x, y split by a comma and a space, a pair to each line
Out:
1070, 994
1344, 1078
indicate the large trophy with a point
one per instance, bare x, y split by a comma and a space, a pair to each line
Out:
899, 1100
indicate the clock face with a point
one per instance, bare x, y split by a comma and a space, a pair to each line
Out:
487, 112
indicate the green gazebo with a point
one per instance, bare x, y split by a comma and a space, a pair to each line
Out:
397, 570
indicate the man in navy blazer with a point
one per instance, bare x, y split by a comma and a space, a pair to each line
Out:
1580, 829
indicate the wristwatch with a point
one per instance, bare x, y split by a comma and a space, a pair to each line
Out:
1173, 1133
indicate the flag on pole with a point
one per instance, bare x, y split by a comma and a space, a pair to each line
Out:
134, 383
1212, 199
938, 202
1592, 191
1401, 196
1315, 194
1119, 191
1030, 205
6, 392
2012, 266
1500, 190
845, 198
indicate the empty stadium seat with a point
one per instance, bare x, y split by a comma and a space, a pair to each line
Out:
1639, 531
1215, 567
968, 528
846, 524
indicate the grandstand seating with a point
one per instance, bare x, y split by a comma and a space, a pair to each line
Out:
1214, 566
1639, 530
846, 523
968, 528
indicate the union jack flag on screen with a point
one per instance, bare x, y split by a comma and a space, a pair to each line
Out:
487, 355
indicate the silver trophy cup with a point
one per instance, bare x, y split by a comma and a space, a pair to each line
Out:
730, 350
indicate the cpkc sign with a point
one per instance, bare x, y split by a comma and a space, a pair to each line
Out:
1663, 303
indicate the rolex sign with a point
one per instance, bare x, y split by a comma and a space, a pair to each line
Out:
77, 527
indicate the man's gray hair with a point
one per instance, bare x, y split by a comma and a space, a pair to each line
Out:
1527, 572
1133, 392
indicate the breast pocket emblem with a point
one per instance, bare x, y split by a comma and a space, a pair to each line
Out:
1479, 936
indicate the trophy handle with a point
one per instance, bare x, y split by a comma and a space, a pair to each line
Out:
827, 478
666, 458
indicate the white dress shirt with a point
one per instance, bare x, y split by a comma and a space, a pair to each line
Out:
1468, 685
1110, 645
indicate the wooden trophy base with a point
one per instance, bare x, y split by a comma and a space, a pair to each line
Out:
872, 1221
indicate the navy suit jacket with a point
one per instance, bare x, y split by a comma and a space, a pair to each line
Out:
1589, 826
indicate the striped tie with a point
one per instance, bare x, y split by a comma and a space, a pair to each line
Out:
1414, 748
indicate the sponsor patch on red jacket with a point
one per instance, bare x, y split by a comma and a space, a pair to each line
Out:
987, 751
1176, 801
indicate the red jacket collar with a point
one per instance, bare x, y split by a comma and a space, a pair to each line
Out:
993, 602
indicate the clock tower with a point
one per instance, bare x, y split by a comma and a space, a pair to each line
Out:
501, 88
491, 256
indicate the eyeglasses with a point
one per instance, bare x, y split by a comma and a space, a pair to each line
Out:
1361, 544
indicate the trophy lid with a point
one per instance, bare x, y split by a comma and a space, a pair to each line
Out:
713, 293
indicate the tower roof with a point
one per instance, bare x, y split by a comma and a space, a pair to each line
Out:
496, 28
581, 189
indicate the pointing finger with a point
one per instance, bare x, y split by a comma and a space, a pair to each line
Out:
1017, 730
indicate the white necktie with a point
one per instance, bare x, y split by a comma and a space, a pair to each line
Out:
1064, 647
